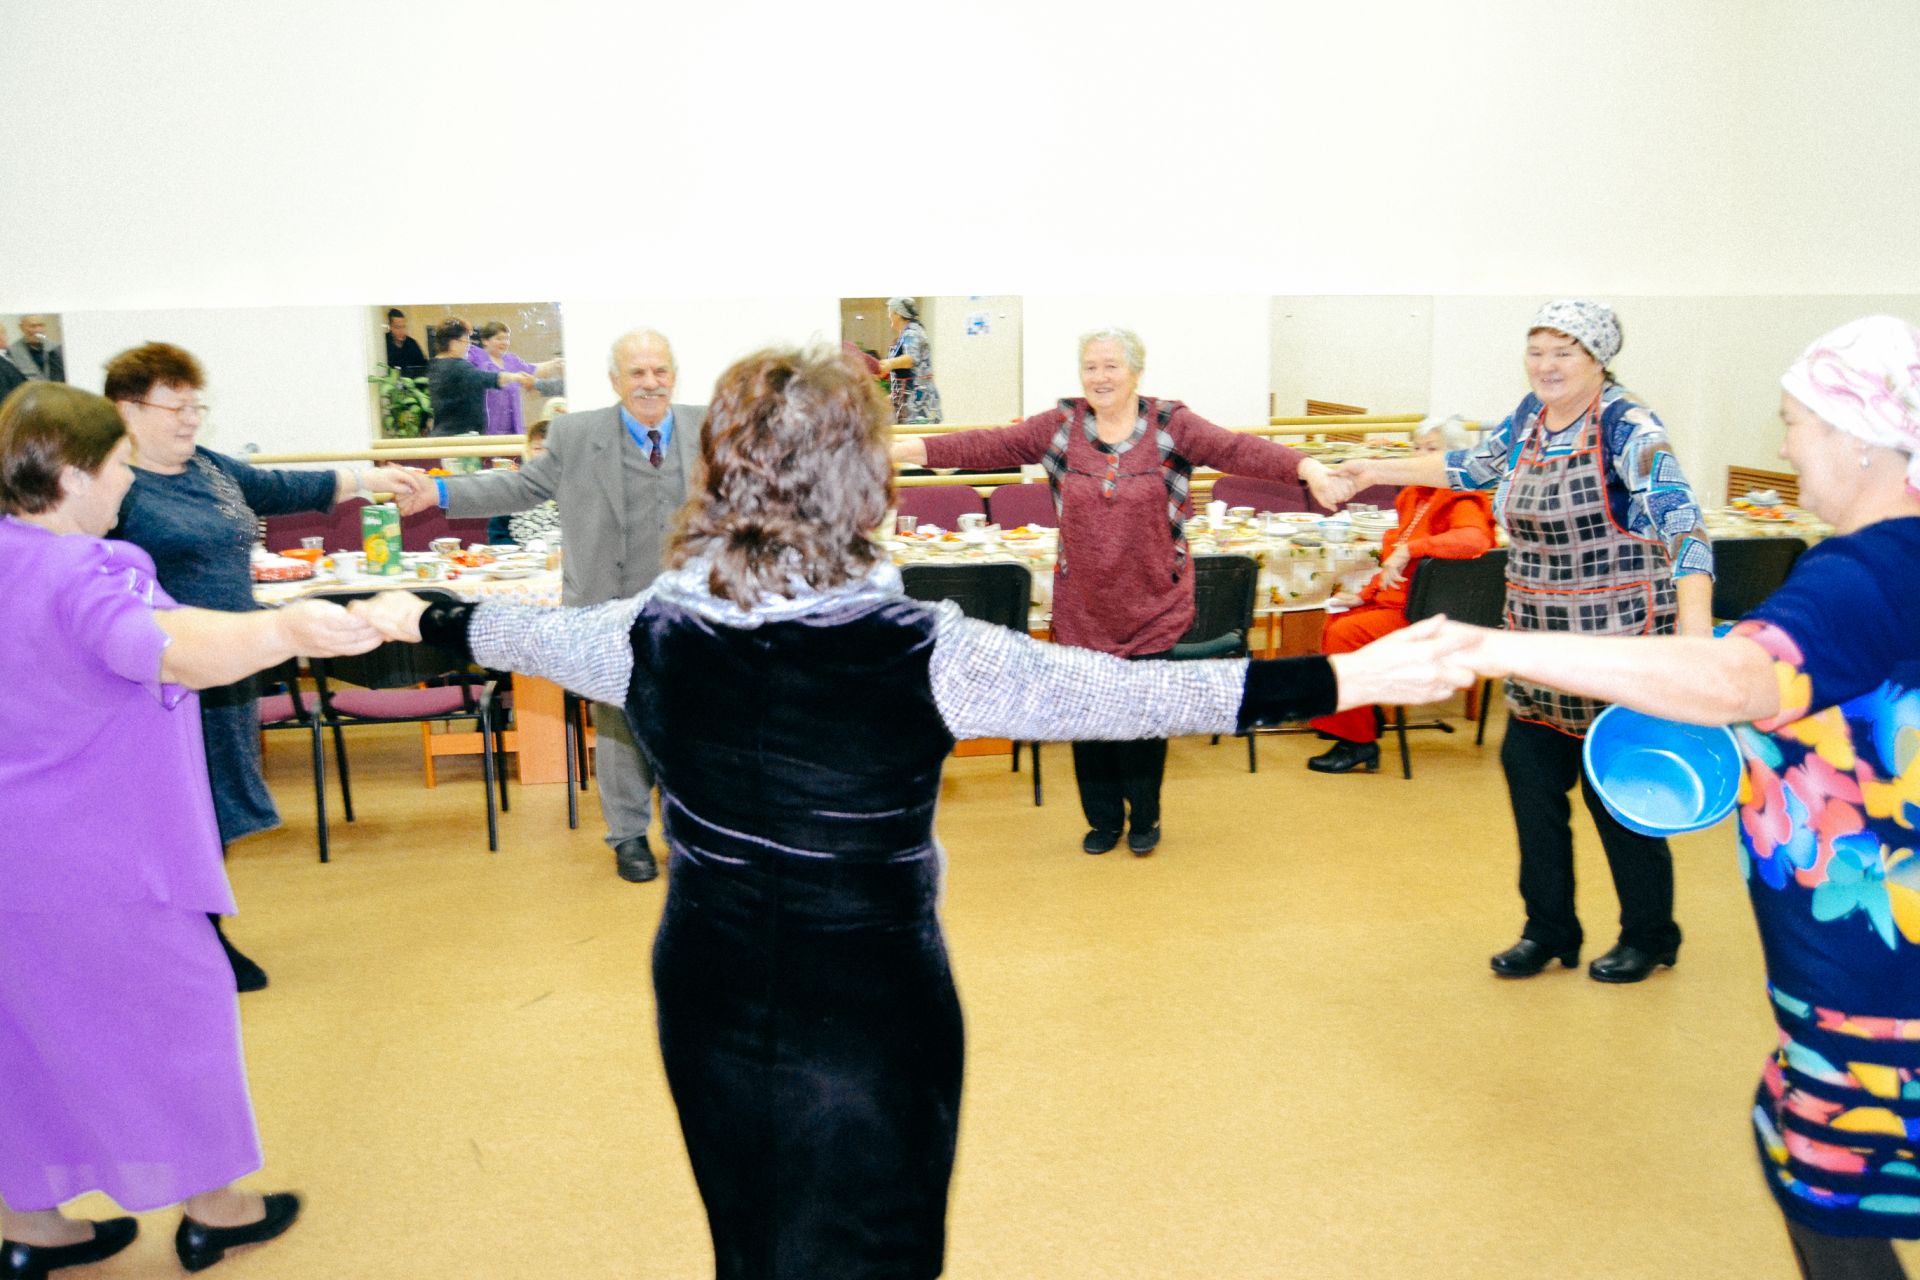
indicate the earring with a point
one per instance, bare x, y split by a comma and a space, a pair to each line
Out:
1866, 459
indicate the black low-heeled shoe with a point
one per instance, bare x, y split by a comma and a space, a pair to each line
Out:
34, 1261
200, 1246
1345, 756
1630, 964
1526, 957
1098, 841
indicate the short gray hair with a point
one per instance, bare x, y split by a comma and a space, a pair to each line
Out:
1452, 431
906, 308
1127, 340
634, 337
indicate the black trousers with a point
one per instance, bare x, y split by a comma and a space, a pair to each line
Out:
1825, 1257
1542, 765
1118, 777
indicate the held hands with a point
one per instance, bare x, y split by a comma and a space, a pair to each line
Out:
522, 379
553, 368
1421, 663
412, 490
322, 629
391, 615
1330, 488
398, 481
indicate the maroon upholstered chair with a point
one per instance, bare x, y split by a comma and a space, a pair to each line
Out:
1261, 495
286, 531
1012, 505
941, 504
1380, 495
382, 686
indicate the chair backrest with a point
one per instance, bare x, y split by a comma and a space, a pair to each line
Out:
941, 504
1382, 496
996, 592
1472, 591
396, 664
286, 531
1261, 495
1012, 505
1223, 588
1748, 570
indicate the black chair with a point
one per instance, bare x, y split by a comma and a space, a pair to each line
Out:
283, 704
1472, 591
1748, 570
399, 683
996, 592
578, 768
1223, 596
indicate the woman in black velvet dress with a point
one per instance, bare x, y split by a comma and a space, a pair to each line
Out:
798, 709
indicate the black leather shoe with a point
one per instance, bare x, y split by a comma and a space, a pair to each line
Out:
634, 860
34, 1261
1344, 757
1144, 842
1630, 964
200, 1246
1098, 841
247, 976
1526, 957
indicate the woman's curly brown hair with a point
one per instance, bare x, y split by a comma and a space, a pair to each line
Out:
794, 477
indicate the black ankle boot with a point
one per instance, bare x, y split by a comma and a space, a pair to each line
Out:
1344, 757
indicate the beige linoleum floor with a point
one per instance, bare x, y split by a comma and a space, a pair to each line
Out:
1273, 1049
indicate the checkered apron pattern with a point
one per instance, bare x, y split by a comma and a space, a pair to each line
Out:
1570, 567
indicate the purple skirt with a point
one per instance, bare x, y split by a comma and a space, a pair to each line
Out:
120, 1062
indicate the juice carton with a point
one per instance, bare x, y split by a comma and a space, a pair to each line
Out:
380, 532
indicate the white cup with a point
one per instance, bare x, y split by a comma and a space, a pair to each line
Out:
1216, 513
972, 520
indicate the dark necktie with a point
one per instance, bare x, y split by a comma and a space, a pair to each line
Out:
653, 454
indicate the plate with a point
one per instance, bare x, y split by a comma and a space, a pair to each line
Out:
509, 575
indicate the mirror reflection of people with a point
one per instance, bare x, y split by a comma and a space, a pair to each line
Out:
807, 1015
1822, 684
1436, 522
456, 388
909, 365
38, 359
404, 355
196, 513
1117, 463
120, 1054
1604, 537
491, 352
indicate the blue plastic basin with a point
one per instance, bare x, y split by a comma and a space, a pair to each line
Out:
1661, 777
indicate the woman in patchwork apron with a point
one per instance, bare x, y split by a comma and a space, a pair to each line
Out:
909, 365
1821, 683
1604, 538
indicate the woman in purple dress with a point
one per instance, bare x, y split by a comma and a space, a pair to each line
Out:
119, 1029
506, 411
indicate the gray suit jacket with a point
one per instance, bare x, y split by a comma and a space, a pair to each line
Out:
611, 552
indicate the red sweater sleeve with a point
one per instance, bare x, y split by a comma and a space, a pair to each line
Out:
1022, 444
1468, 530
1233, 452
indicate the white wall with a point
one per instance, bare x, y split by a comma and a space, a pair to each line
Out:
1209, 351
228, 152
1373, 350
978, 374
707, 334
284, 379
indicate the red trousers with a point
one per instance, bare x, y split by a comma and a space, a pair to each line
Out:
1345, 632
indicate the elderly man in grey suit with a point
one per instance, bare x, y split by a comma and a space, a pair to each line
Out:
617, 475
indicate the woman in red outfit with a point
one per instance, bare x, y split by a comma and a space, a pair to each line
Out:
1433, 522
1118, 464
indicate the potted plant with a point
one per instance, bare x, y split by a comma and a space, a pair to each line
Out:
405, 409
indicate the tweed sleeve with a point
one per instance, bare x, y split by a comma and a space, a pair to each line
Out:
585, 650
990, 682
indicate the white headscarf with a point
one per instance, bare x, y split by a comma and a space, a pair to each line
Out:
1591, 324
1864, 379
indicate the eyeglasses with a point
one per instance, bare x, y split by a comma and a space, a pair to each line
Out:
191, 409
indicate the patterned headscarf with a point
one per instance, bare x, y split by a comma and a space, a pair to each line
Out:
906, 308
1864, 379
1591, 324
